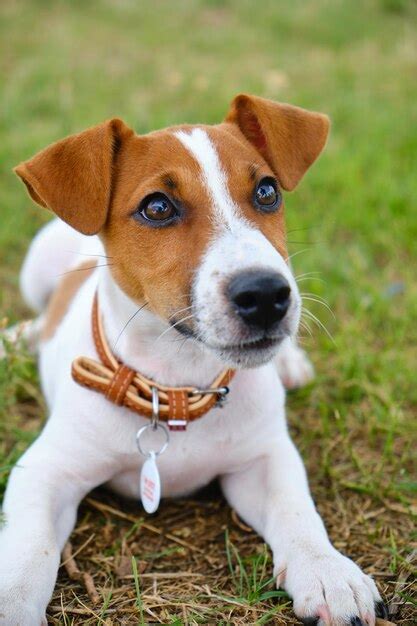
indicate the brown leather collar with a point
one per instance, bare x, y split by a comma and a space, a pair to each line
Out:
126, 387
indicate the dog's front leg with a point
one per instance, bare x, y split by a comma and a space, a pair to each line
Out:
43, 493
272, 495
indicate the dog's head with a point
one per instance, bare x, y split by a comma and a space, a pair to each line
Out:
192, 217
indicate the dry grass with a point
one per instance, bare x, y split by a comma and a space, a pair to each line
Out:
184, 575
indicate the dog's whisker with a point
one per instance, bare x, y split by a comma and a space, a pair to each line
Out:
300, 280
314, 295
291, 256
172, 326
306, 327
310, 294
103, 256
184, 341
319, 323
305, 274
85, 269
128, 322
318, 300
186, 308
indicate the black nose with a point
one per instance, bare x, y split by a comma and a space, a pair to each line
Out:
260, 298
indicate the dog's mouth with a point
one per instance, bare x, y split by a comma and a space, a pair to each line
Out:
264, 343
250, 353
246, 353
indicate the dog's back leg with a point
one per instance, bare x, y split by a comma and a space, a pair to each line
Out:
293, 365
55, 250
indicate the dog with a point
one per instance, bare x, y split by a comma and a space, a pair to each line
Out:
182, 237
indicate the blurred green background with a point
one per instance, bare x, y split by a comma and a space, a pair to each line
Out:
353, 220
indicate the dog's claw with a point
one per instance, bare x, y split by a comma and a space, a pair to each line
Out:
381, 610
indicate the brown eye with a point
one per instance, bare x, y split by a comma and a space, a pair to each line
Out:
267, 195
158, 209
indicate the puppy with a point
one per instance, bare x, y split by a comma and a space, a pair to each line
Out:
188, 243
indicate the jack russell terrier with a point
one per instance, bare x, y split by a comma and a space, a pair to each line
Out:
190, 245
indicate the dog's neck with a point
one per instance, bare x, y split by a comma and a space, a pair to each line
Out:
148, 344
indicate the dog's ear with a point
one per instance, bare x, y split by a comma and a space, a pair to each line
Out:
74, 176
289, 138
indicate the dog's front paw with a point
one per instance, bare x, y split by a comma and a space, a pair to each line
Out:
20, 603
293, 365
18, 613
329, 589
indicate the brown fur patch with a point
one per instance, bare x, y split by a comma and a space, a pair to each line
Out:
63, 295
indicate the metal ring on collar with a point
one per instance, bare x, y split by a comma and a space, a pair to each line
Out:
155, 408
164, 445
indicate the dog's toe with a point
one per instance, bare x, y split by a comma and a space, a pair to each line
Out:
381, 610
329, 589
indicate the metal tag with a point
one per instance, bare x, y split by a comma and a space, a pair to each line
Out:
150, 484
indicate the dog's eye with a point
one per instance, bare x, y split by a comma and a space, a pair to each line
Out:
157, 208
267, 195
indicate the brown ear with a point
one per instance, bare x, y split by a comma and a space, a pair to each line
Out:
289, 138
73, 177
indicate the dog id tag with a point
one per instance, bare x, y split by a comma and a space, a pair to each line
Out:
150, 484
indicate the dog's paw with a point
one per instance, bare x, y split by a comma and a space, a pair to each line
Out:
20, 613
293, 365
23, 599
330, 589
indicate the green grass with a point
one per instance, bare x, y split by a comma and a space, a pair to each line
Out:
252, 582
68, 65
249, 576
137, 589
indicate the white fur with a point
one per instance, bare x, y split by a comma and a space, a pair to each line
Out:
88, 441
214, 177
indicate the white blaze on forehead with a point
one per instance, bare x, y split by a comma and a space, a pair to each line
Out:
214, 177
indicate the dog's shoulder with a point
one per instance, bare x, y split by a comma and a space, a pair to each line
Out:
63, 295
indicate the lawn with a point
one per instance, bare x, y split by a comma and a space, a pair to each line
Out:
352, 230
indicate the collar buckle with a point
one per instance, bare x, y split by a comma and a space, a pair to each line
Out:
221, 393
